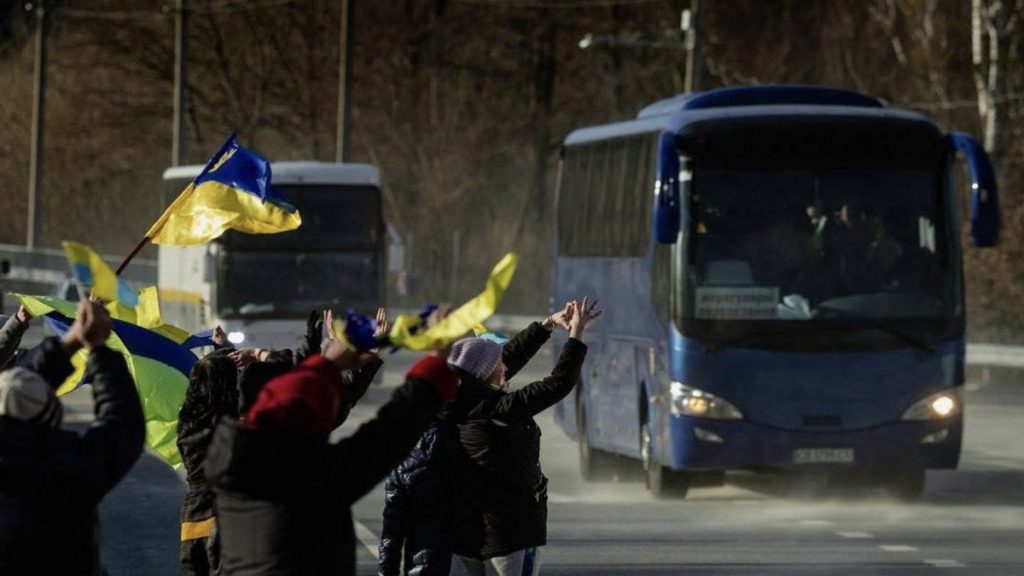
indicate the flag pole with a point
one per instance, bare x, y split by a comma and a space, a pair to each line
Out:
135, 251
155, 229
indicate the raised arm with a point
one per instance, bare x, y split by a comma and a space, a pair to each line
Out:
540, 395
11, 333
365, 458
113, 442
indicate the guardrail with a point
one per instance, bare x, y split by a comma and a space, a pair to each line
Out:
42, 270
995, 355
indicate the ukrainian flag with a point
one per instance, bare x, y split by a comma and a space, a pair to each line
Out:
233, 192
158, 358
95, 277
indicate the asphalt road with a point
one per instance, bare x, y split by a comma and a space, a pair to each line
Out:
970, 521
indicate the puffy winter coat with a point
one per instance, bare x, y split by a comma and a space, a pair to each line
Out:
417, 505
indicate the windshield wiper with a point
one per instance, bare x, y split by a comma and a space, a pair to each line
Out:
870, 323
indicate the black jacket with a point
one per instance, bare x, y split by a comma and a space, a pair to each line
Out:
283, 503
417, 500
501, 504
10, 337
51, 481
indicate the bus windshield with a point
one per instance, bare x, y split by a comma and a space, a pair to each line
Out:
334, 258
271, 284
812, 245
333, 217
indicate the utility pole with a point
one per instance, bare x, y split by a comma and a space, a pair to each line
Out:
179, 135
34, 237
346, 43
690, 23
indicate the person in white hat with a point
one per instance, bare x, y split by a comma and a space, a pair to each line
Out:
52, 480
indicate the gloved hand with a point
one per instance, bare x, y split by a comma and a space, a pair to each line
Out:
314, 331
436, 372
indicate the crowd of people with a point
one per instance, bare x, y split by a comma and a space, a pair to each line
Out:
268, 491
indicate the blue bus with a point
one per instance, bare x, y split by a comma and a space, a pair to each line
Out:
780, 269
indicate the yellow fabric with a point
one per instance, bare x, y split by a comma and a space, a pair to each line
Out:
461, 320
204, 212
161, 388
196, 530
104, 280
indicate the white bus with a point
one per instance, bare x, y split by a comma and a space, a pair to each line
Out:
260, 288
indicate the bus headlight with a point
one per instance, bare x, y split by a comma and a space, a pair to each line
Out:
941, 405
236, 338
689, 401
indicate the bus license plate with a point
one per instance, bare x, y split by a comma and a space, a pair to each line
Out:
823, 456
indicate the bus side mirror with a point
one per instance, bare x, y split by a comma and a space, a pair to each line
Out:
985, 219
5, 267
666, 192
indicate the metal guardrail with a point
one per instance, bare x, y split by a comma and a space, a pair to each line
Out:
42, 270
995, 355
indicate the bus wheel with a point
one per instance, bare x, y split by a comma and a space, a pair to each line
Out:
907, 484
661, 481
594, 464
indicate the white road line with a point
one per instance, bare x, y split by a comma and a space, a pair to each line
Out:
897, 548
855, 535
815, 523
945, 563
367, 538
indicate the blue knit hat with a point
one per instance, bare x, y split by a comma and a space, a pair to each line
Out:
478, 356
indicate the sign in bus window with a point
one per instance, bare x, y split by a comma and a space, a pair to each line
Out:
736, 302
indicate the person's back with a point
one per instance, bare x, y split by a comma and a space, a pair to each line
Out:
283, 492
417, 508
51, 480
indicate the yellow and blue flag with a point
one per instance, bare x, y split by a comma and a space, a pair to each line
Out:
95, 277
406, 330
233, 192
159, 359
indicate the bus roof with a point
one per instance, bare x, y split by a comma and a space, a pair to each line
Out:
677, 113
300, 172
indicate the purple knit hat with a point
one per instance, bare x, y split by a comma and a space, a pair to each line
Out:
477, 356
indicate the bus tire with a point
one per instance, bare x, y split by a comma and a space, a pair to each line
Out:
594, 464
663, 482
907, 484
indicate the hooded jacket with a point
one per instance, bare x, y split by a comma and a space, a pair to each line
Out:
52, 480
284, 496
501, 505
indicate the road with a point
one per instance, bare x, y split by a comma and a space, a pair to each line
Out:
970, 521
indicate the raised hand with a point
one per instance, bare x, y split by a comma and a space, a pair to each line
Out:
560, 318
219, 337
245, 356
583, 314
329, 324
23, 314
344, 357
93, 325
383, 329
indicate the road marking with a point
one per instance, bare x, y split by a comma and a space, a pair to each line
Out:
945, 563
815, 523
855, 535
367, 538
897, 548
